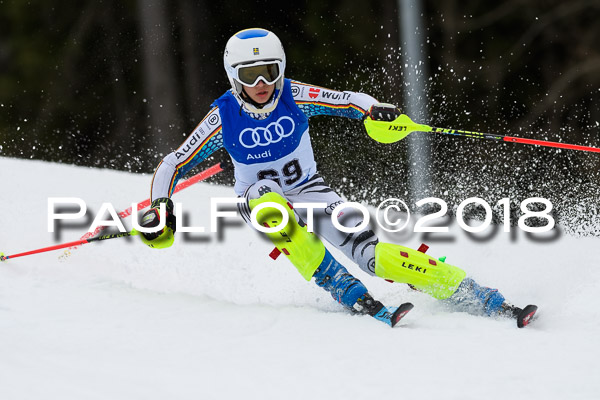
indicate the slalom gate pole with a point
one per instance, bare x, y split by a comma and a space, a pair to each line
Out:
393, 131
75, 243
200, 176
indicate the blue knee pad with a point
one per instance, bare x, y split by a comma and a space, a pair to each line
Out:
470, 293
343, 286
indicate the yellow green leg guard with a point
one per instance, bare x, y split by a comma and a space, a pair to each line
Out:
304, 249
405, 265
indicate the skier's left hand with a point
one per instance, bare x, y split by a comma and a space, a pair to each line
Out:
383, 112
151, 218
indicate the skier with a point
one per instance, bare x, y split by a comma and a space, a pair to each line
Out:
262, 122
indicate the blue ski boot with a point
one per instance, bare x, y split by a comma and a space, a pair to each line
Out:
335, 278
352, 294
476, 299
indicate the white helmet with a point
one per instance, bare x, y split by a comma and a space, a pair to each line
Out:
252, 55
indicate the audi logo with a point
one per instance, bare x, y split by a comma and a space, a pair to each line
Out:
264, 136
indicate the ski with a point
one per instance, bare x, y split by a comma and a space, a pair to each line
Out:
524, 316
388, 315
393, 315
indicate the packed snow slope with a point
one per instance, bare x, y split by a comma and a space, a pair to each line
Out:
216, 318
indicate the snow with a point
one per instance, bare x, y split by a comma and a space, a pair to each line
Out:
216, 318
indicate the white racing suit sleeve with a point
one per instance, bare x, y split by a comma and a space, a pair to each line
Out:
204, 140
316, 100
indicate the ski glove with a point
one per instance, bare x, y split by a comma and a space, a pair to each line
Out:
151, 218
383, 112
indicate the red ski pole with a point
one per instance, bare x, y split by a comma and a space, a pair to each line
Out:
393, 131
200, 176
87, 238
62, 246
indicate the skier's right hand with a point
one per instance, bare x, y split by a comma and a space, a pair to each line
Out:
383, 112
164, 237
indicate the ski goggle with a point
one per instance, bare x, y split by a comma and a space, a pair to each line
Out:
249, 75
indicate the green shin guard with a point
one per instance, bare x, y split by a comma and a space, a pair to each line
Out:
304, 249
405, 265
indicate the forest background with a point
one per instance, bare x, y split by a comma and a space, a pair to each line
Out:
119, 84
